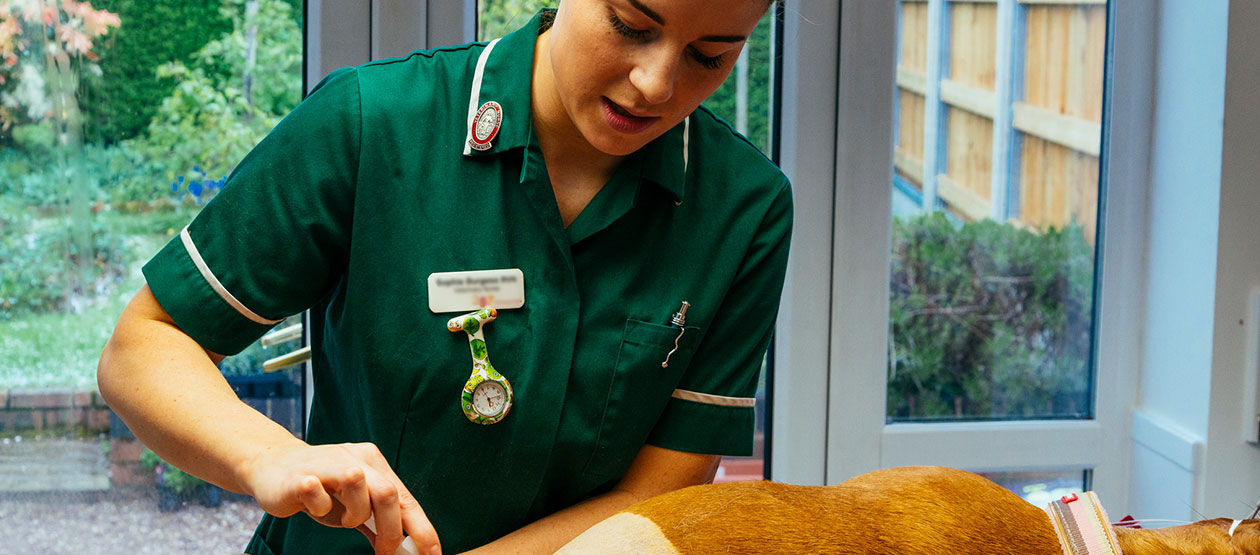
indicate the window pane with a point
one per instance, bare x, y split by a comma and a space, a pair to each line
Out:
1040, 487
995, 210
743, 100
118, 121
496, 18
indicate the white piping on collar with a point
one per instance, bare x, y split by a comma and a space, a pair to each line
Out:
474, 95
686, 142
686, 152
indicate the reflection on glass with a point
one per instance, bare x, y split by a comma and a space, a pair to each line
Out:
995, 210
743, 100
1040, 487
118, 121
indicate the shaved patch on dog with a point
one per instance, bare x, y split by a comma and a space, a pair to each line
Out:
622, 533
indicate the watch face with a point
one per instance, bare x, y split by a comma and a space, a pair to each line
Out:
489, 399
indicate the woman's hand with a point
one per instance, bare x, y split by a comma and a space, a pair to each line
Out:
340, 485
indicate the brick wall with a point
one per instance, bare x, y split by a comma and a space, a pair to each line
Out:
84, 412
36, 410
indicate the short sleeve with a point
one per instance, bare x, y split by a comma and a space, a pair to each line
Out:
712, 410
275, 239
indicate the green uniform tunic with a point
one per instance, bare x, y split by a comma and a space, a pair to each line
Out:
366, 189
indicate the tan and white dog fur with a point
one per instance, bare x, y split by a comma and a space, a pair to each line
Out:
900, 511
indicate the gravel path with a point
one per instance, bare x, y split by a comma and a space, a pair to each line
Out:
123, 522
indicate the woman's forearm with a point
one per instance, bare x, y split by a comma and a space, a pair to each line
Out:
549, 534
168, 390
655, 470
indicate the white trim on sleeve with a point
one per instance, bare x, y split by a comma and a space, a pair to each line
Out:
713, 399
214, 282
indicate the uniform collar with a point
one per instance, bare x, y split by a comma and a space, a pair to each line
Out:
503, 75
665, 160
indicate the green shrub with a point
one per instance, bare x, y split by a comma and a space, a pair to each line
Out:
208, 123
119, 103
41, 268
496, 18
722, 101
989, 321
182, 482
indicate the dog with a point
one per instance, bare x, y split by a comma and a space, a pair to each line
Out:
917, 510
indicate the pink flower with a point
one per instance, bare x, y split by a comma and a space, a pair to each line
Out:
76, 42
9, 28
98, 22
75, 8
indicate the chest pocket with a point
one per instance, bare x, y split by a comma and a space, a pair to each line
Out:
638, 393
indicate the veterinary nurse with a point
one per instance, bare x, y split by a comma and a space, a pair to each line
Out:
631, 244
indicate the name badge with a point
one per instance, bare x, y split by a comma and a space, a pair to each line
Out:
468, 291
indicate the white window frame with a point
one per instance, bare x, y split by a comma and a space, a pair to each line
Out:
838, 93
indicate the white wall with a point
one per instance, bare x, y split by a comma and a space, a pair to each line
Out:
1190, 458
1172, 417
1232, 466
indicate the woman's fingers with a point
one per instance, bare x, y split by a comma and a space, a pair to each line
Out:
389, 527
312, 497
343, 486
416, 524
353, 495
404, 513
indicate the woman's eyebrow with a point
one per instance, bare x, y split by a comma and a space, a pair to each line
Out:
648, 11
659, 21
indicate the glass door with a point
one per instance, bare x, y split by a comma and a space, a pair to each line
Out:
118, 121
995, 226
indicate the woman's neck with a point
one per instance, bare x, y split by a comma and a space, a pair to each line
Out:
577, 169
563, 146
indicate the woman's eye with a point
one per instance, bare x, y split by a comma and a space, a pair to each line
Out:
626, 30
709, 62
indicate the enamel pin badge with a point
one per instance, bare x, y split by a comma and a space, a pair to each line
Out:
485, 126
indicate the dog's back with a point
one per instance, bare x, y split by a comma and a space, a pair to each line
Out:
907, 511
918, 510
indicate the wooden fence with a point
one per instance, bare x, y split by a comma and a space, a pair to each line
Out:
1000, 107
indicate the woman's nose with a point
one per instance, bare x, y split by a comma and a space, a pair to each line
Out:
654, 75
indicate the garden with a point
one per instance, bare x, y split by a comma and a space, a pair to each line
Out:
119, 119
989, 321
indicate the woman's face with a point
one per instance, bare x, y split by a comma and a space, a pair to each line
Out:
627, 71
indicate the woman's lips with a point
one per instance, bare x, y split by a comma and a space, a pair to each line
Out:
621, 120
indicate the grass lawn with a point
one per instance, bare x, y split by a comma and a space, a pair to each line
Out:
61, 350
